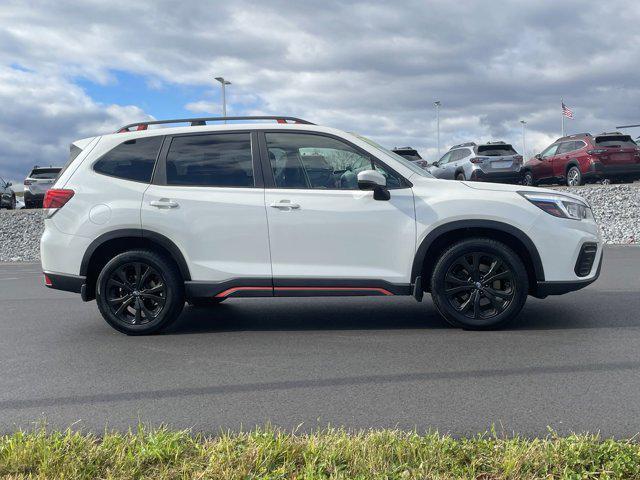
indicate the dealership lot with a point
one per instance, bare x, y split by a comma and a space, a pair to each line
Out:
572, 363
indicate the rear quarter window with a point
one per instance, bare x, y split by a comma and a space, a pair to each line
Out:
131, 160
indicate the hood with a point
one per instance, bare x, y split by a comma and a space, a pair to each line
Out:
502, 187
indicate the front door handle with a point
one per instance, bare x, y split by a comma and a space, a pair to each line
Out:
285, 205
163, 203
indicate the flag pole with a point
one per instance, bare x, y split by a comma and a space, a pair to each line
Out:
562, 114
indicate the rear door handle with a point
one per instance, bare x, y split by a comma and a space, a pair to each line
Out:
285, 205
163, 203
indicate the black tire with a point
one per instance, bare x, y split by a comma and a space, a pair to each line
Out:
574, 177
140, 292
527, 179
204, 302
455, 284
12, 205
460, 176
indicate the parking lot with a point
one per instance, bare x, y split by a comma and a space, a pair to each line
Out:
571, 363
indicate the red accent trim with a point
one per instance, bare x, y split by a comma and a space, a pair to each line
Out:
47, 281
338, 289
231, 291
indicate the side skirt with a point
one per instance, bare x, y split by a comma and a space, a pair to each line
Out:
263, 287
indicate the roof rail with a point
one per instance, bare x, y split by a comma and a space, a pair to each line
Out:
574, 135
203, 121
468, 144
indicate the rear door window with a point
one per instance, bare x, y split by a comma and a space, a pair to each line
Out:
213, 160
131, 160
624, 141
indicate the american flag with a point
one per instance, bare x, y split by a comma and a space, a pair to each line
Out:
566, 111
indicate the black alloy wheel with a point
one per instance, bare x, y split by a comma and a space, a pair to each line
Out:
139, 292
136, 293
479, 284
527, 180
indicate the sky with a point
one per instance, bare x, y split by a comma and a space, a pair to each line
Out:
70, 70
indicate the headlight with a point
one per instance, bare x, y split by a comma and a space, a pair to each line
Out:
559, 205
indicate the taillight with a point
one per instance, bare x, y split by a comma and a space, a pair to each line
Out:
55, 199
517, 158
28, 182
476, 160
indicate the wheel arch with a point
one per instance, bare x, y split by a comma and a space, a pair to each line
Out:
571, 163
103, 248
444, 235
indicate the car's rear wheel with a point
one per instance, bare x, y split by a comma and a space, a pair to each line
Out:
460, 176
528, 180
574, 177
140, 292
479, 284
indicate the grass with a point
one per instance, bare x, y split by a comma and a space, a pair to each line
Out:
333, 453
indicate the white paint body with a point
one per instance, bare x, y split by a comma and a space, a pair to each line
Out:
227, 233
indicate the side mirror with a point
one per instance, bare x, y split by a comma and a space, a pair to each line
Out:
372, 180
538, 156
9, 184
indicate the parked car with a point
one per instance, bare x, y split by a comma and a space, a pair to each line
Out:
576, 159
411, 154
146, 219
37, 183
487, 162
7, 195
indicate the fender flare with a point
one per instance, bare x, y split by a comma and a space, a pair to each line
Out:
155, 237
437, 232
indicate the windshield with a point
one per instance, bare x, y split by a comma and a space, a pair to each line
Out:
407, 163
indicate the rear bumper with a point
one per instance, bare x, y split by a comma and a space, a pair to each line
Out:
599, 170
64, 281
33, 199
499, 177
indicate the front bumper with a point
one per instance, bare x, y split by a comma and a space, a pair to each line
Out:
544, 289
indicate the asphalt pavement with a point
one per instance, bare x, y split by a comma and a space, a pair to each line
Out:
569, 363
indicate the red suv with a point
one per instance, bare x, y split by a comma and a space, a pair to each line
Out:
580, 158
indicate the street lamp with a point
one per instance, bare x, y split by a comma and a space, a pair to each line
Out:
524, 144
224, 83
437, 105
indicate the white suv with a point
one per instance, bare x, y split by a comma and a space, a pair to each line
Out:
147, 218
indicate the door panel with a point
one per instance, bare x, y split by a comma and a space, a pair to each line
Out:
204, 198
341, 234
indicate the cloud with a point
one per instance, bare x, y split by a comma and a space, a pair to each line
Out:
371, 67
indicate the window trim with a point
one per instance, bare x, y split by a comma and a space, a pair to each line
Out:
155, 162
160, 173
269, 179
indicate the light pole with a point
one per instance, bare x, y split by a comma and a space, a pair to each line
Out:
524, 144
224, 83
437, 105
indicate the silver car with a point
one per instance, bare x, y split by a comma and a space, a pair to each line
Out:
37, 183
487, 162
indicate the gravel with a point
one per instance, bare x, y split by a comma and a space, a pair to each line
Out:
20, 232
616, 207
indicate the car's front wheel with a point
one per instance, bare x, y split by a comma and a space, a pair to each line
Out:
460, 176
140, 292
479, 284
